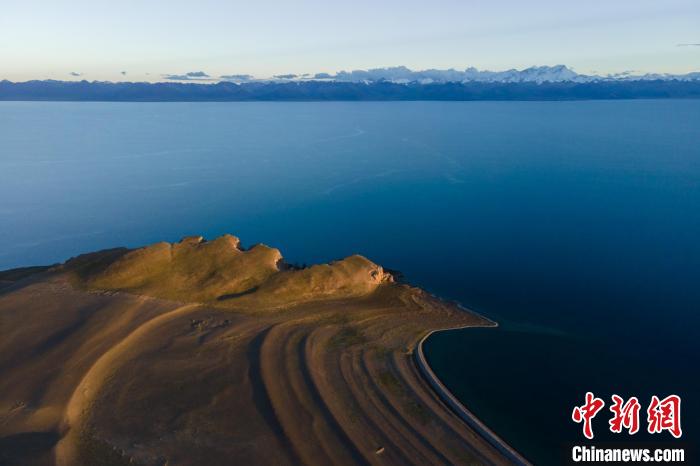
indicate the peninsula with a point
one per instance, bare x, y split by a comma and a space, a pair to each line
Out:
203, 352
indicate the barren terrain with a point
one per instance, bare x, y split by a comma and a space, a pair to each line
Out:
203, 353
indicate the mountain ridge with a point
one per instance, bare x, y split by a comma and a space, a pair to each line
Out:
537, 74
329, 90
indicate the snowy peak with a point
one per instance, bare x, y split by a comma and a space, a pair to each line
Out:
401, 74
534, 74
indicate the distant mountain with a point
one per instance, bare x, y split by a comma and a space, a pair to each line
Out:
542, 83
537, 74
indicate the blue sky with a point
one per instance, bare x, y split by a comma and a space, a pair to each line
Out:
148, 39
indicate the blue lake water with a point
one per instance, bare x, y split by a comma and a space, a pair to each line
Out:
575, 225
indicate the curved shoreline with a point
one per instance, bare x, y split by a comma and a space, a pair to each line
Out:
327, 381
458, 408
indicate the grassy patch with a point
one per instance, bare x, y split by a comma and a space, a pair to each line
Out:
93, 451
463, 455
347, 336
14, 275
392, 383
414, 408
381, 352
418, 411
333, 319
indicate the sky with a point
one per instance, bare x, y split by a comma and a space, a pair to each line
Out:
146, 40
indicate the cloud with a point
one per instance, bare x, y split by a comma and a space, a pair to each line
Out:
688, 45
176, 77
75, 74
285, 76
189, 76
236, 78
322, 76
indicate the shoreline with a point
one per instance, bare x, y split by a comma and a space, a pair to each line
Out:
454, 405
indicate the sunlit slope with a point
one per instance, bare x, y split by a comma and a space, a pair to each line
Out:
205, 353
219, 272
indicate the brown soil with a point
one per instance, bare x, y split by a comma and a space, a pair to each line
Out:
201, 353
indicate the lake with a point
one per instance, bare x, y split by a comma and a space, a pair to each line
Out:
575, 225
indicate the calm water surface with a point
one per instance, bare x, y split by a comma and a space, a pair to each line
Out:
575, 225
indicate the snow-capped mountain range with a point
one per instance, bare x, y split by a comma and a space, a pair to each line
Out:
537, 74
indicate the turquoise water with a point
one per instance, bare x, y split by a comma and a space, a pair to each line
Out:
576, 225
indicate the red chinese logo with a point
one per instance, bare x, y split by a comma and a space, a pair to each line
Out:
624, 415
587, 412
662, 415
665, 415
